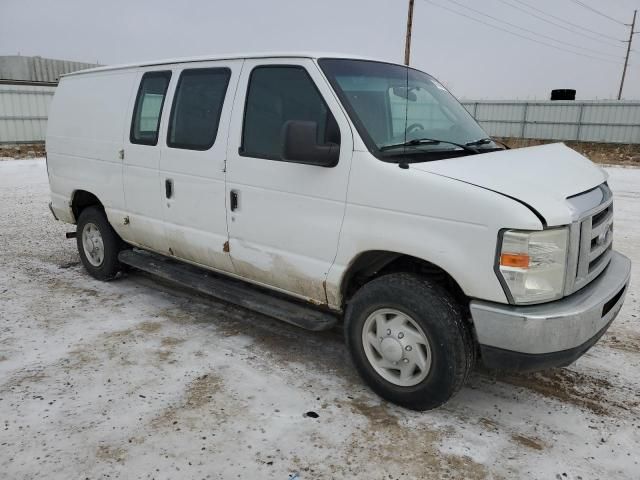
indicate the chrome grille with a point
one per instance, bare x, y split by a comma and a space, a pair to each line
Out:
591, 239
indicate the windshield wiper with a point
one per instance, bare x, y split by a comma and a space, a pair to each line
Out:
428, 141
484, 141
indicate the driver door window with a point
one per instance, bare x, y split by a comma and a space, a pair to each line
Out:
277, 94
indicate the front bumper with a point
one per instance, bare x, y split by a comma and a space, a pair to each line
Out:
553, 334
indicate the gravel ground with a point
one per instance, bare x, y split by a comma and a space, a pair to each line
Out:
135, 379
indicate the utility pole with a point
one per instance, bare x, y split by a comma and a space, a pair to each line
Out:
407, 44
626, 60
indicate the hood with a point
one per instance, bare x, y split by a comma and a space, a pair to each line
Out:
541, 177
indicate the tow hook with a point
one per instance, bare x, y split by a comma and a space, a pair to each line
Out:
71, 234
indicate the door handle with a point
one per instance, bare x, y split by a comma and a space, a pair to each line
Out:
233, 200
168, 187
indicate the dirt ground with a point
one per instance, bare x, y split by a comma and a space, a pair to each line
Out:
135, 379
603, 153
31, 150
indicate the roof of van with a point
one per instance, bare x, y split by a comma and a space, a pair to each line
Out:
230, 56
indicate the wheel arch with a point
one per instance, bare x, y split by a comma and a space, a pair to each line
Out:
81, 199
375, 263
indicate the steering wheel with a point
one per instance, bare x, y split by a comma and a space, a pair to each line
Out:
413, 128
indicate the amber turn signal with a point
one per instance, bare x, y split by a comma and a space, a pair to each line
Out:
517, 260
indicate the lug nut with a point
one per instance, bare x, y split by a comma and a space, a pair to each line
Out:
401, 335
405, 360
388, 331
408, 348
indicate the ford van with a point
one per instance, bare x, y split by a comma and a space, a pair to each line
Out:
321, 189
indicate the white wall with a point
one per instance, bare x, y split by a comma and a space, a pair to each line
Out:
603, 121
23, 112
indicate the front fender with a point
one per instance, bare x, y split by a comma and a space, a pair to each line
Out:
451, 224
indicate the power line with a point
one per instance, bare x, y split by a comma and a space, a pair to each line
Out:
553, 39
598, 12
564, 21
521, 36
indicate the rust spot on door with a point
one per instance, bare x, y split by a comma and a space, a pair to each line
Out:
225, 247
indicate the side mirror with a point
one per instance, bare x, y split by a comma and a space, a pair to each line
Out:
299, 145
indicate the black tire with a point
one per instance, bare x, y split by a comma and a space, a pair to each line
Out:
110, 266
437, 314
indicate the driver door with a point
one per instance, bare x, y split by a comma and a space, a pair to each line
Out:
284, 218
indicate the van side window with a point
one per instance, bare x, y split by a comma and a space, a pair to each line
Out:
148, 108
275, 95
196, 109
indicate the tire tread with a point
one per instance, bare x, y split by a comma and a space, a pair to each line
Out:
434, 296
112, 244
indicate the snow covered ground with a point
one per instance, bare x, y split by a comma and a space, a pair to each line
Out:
135, 379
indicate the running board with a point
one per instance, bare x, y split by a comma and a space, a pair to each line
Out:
228, 290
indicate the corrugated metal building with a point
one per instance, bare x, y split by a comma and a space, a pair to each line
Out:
37, 69
606, 121
23, 112
27, 85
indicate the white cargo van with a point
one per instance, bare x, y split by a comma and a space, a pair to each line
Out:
318, 188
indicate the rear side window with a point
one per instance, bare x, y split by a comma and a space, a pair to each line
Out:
197, 104
148, 108
277, 94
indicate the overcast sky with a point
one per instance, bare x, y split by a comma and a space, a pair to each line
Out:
472, 59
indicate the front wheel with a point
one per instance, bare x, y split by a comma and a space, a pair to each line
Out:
408, 340
98, 244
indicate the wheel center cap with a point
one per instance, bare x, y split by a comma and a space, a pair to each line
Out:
391, 349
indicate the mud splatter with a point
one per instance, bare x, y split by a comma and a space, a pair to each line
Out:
415, 452
626, 342
567, 386
111, 453
532, 443
198, 394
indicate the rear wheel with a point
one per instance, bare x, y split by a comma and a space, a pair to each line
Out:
408, 340
98, 244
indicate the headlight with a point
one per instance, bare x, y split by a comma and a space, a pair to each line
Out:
533, 264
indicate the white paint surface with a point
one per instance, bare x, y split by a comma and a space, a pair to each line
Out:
542, 176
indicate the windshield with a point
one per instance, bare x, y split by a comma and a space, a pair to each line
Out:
399, 110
